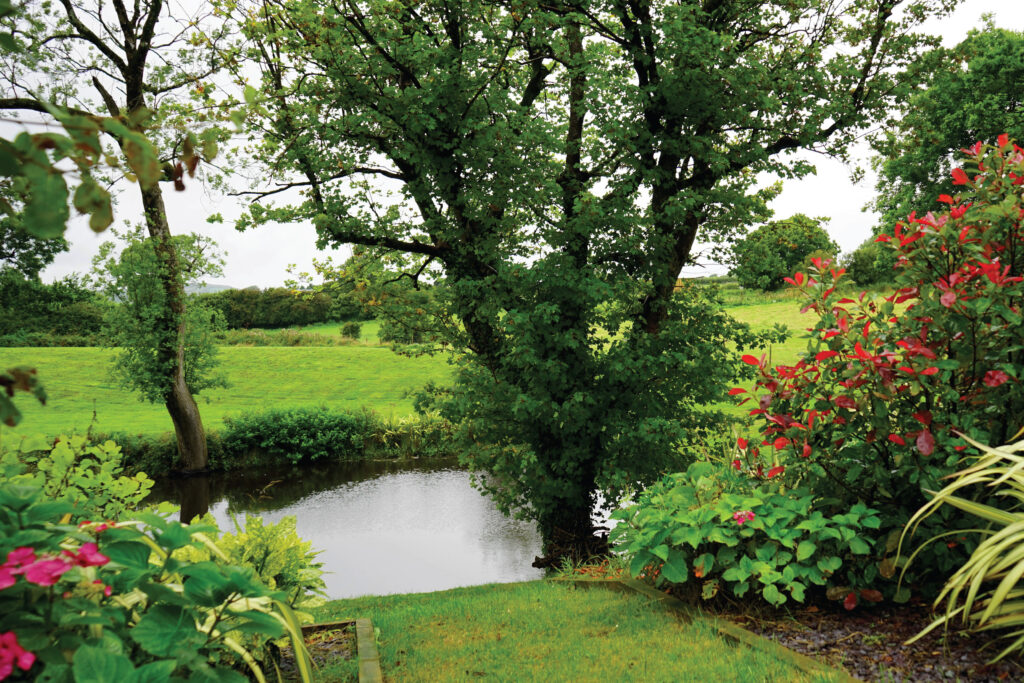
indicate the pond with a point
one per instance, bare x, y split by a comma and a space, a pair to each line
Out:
381, 527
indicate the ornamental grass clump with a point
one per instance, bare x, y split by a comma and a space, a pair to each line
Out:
986, 594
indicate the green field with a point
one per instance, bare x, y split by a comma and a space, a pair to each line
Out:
346, 377
260, 378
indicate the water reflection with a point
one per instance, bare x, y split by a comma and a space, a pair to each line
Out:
382, 527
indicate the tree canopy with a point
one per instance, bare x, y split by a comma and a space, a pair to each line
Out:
973, 94
775, 250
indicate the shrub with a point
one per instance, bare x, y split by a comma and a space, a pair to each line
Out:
282, 560
106, 602
64, 307
270, 308
351, 330
70, 470
297, 434
763, 257
704, 526
872, 413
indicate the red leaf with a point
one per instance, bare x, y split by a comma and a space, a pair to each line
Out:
845, 402
742, 443
736, 464
781, 442
807, 450
948, 299
861, 352
775, 471
945, 199
925, 442
850, 602
736, 390
924, 417
897, 439
929, 371
750, 360
822, 355
959, 177
1003, 140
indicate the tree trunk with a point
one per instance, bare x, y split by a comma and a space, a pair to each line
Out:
188, 426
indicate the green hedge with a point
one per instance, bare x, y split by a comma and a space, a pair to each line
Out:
295, 436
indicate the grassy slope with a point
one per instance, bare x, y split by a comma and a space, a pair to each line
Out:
350, 377
542, 631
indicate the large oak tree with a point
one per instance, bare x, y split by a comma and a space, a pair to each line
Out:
557, 162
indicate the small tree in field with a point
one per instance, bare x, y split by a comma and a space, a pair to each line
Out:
765, 256
136, 323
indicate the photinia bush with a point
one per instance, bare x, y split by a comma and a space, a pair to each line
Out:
870, 413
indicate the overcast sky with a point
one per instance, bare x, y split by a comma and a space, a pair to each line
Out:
261, 257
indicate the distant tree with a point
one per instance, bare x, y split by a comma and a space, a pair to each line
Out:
25, 252
869, 264
133, 278
776, 250
974, 93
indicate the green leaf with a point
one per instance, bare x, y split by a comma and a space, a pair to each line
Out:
165, 630
805, 550
772, 594
858, 546
154, 672
95, 665
128, 553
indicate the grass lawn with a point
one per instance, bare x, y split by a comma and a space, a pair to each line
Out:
356, 376
546, 631
261, 378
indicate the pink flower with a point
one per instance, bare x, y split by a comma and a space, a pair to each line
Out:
6, 578
743, 516
46, 572
20, 557
90, 556
11, 654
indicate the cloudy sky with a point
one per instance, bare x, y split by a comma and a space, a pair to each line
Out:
262, 257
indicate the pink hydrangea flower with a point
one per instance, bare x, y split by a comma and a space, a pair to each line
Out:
89, 555
45, 572
11, 654
743, 516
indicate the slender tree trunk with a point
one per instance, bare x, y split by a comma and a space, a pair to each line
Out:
188, 425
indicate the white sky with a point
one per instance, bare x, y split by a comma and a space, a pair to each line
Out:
261, 257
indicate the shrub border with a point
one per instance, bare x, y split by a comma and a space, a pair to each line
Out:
725, 628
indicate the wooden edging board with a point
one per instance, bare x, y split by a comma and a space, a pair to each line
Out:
367, 655
725, 628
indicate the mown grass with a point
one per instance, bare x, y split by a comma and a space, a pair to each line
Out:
260, 378
546, 631
341, 377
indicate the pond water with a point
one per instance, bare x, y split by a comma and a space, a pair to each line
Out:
381, 527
